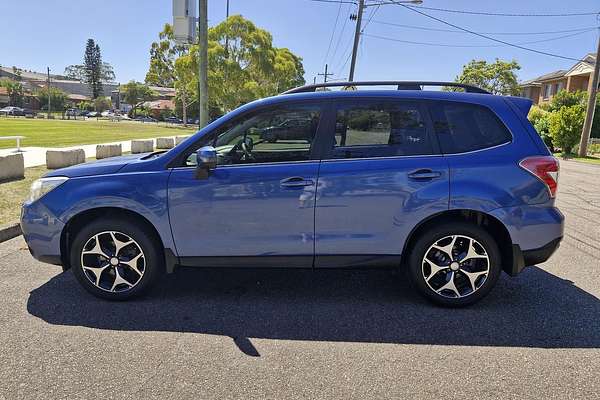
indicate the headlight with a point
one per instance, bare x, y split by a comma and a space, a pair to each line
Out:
43, 185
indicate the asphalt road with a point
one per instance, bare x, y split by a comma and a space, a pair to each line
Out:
292, 334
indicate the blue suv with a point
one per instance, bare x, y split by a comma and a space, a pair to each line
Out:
452, 187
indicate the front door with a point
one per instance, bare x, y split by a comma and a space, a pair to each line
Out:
382, 176
257, 207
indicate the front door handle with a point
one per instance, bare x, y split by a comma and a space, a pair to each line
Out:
296, 181
424, 174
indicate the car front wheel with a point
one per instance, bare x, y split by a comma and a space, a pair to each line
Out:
115, 259
455, 264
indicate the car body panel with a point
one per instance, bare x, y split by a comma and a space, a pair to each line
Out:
142, 193
369, 206
243, 211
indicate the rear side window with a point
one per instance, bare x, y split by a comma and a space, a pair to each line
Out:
462, 127
380, 128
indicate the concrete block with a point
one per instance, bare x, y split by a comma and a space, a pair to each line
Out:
165, 143
64, 158
12, 167
142, 146
108, 150
179, 139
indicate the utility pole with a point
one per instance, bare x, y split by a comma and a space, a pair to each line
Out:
226, 35
325, 75
203, 62
591, 105
361, 7
48, 89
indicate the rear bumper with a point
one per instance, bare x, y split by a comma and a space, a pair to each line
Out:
522, 259
535, 232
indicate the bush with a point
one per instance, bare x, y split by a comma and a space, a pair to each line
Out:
540, 119
567, 99
565, 127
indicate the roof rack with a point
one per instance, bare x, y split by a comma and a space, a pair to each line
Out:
401, 85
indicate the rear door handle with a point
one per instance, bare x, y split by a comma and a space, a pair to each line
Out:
296, 181
424, 174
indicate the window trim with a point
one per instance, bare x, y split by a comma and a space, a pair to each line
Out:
338, 103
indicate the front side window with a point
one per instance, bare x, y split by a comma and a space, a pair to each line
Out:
279, 134
462, 127
380, 129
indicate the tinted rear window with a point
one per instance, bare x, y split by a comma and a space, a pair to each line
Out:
463, 127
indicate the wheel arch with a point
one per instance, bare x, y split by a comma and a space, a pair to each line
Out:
79, 220
488, 222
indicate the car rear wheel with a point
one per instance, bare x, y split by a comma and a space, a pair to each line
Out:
455, 264
115, 259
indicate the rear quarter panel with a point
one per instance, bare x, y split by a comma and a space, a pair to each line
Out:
488, 179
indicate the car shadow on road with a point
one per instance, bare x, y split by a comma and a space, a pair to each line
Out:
536, 309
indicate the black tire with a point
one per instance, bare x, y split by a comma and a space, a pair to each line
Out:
435, 234
153, 261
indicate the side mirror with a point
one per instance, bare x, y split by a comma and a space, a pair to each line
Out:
206, 158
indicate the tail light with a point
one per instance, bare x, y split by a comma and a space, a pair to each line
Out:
545, 168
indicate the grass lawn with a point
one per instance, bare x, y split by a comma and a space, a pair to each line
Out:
56, 133
13, 193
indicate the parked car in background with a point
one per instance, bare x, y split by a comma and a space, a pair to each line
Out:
173, 120
452, 187
73, 112
11, 110
28, 112
144, 118
93, 114
290, 129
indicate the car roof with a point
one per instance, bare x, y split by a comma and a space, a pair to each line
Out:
478, 98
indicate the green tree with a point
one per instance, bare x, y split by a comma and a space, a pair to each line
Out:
162, 58
135, 93
102, 104
14, 90
499, 77
79, 72
185, 83
92, 61
58, 98
243, 65
565, 127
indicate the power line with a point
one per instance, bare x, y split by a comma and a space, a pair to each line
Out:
497, 14
425, 28
484, 36
370, 18
473, 45
334, 1
337, 45
333, 32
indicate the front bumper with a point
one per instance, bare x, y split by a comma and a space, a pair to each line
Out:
42, 232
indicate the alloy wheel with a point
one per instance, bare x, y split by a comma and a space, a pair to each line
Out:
455, 266
112, 261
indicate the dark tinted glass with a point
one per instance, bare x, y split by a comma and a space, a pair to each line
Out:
465, 127
380, 129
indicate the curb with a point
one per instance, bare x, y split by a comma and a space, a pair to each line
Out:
10, 231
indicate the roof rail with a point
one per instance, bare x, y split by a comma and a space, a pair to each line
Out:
401, 85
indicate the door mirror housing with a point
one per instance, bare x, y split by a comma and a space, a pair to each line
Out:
206, 159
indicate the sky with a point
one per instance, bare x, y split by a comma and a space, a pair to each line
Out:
36, 34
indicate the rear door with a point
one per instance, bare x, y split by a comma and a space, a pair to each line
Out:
381, 175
